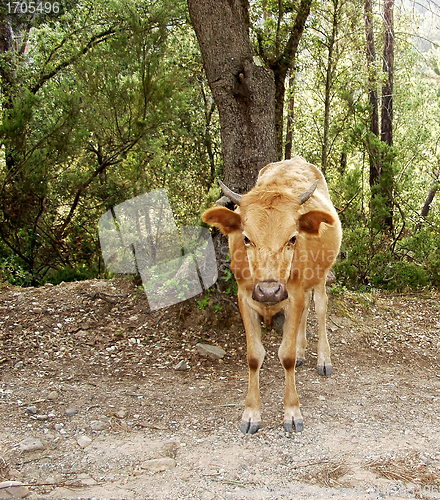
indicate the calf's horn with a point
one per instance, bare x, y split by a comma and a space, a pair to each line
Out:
234, 197
306, 195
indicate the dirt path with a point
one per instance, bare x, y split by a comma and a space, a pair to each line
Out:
87, 377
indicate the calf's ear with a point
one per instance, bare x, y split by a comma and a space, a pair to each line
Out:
310, 221
222, 218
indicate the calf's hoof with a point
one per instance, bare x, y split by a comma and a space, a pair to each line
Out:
249, 427
294, 425
299, 362
325, 369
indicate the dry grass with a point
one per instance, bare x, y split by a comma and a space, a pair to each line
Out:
4, 469
409, 469
329, 475
323, 473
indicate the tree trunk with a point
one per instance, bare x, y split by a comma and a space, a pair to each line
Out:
282, 65
381, 171
243, 90
290, 117
328, 86
388, 69
427, 205
387, 110
372, 93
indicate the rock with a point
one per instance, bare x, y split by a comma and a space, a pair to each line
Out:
42, 417
53, 395
98, 425
31, 444
122, 413
18, 365
86, 480
71, 411
14, 473
331, 278
207, 495
169, 448
83, 441
159, 464
181, 366
80, 334
31, 409
210, 351
37, 310
13, 489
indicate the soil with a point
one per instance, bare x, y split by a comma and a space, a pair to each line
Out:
88, 371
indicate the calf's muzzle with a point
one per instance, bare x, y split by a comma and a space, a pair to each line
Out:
269, 292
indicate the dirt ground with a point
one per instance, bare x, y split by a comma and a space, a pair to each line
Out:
93, 407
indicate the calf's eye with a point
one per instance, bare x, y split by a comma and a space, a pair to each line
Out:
292, 240
247, 241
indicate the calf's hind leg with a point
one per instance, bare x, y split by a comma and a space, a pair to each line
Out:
301, 342
324, 361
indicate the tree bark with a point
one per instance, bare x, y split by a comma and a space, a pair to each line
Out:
388, 69
328, 85
243, 89
381, 172
428, 200
281, 67
387, 110
372, 92
290, 117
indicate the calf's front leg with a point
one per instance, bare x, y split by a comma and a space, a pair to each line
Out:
251, 419
293, 420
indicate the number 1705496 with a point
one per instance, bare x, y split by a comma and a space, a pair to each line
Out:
31, 7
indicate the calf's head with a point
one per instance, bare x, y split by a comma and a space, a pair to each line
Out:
263, 235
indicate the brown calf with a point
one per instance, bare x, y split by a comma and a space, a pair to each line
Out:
283, 237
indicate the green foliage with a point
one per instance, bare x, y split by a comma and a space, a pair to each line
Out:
12, 272
203, 304
104, 102
229, 278
67, 274
217, 308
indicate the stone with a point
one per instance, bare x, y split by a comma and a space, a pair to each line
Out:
210, 351
31, 444
181, 366
71, 411
13, 489
83, 441
159, 464
86, 480
169, 448
31, 409
208, 495
98, 425
121, 413
52, 395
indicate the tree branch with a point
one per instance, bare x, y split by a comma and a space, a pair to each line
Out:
284, 61
95, 40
